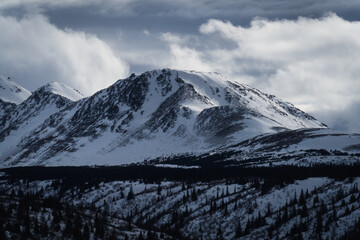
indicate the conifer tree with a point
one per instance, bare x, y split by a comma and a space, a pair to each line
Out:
131, 194
238, 230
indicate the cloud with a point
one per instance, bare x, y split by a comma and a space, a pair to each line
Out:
313, 63
194, 9
346, 119
34, 52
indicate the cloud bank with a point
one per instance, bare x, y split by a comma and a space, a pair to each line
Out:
194, 9
34, 52
313, 63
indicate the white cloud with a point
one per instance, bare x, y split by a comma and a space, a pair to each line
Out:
313, 63
35, 52
146, 33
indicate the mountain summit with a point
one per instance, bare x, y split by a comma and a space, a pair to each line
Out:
63, 90
12, 92
160, 112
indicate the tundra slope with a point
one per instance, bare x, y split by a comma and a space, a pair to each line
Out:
300, 147
157, 113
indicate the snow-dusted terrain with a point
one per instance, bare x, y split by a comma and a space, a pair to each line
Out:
12, 92
311, 208
157, 113
301, 147
30, 114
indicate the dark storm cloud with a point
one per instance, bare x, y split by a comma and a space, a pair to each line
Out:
175, 15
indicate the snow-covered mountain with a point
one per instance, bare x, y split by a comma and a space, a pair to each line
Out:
63, 90
159, 112
12, 92
28, 115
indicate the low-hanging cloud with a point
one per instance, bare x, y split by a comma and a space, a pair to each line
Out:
35, 52
313, 63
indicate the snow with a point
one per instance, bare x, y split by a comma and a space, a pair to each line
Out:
63, 90
12, 145
330, 140
175, 166
12, 92
144, 137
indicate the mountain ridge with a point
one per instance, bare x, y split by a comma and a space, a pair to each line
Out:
161, 112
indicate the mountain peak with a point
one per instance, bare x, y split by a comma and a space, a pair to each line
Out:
162, 112
62, 90
12, 92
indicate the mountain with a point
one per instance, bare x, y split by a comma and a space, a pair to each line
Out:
63, 90
12, 92
160, 112
30, 114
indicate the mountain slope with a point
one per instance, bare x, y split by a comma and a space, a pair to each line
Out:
6, 109
160, 112
27, 116
12, 92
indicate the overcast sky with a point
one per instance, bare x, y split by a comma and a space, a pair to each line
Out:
305, 52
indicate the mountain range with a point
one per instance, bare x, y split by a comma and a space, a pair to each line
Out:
165, 117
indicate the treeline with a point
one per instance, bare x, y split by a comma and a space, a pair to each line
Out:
157, 174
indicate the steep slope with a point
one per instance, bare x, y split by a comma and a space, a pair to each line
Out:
27, 116
160, 112
12, 92
6, 109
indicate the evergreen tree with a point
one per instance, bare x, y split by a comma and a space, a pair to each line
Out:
150, 235
86, 232
238, 230
247, 228
319, 224
194, 195
304, 211
140, 237
2, 231
226, 211
268, 212
159, 189
219, 234
68, 228
302, 200
131, 194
